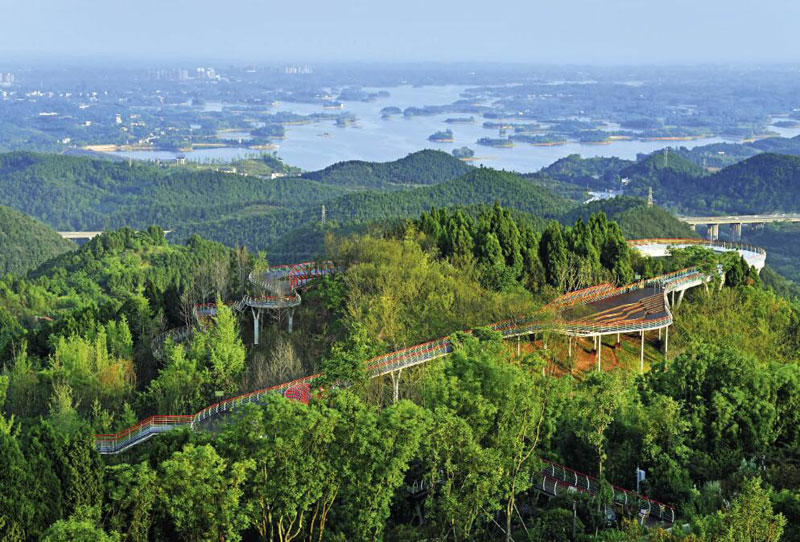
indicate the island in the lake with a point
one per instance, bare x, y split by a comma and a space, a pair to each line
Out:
442, 136
496, 142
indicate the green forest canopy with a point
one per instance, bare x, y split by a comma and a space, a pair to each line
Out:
25, 243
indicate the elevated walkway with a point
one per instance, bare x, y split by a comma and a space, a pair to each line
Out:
658, 248
597, 311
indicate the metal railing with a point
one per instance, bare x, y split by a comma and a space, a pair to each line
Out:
727, 245
114, 443
629, 500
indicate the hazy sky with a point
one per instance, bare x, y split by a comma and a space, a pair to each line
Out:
577, 31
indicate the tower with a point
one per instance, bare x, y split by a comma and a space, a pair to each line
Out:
650, 197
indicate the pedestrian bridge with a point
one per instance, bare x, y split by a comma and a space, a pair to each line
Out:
592, 312
656, 248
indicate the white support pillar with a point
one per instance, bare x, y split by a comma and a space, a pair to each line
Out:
256, 317
666, 341
659, 334
618, 339
518, 347
396, 385
290, 320
599, 353
641, 356
680, 298
569, 347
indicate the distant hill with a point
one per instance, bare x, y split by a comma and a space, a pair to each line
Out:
479, 186
425, 167
26, 243
765, 183
662, 163
77, 193
635, 218
597, 172
725, 154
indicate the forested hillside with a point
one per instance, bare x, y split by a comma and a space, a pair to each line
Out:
635, 218
598, 173
766, 183
479, 186
74, 193
419, 168
25, 243
77, 358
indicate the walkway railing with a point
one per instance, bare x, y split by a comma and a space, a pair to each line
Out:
629, 500
727, 245
140, 432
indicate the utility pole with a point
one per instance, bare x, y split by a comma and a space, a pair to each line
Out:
574, 520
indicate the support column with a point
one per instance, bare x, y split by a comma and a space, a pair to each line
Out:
518, 341
680, 298
599, 352
659, 334
641, 356
618, 339
713, 232
737, 232
569, 342
672, 302
396, 385
666, 341
290, 320
256, 326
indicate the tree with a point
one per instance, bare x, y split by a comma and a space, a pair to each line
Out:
178, 389
41, 448
553, 254
466, 477
750, 518
344, 365
508, 414
200, 493
294, 479
132, 492
78, 528
596, 405
81, 472
374, 448
220, 350
16, 508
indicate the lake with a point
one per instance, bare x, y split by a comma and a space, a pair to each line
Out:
315, 146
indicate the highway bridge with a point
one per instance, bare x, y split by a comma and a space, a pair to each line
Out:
87, 235
714, 222
79, 234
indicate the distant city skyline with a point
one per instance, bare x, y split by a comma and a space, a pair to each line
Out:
609, 32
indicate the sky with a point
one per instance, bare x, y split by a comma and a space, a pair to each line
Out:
526, 31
